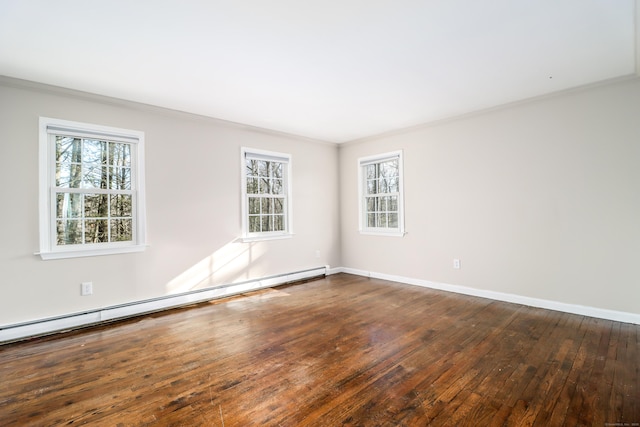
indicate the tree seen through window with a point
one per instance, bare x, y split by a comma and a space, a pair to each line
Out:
93, 197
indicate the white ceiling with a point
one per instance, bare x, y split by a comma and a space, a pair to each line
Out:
334, 70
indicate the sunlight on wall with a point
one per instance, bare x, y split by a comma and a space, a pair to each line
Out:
229, 264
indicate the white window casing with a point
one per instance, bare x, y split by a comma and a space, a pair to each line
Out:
381, 194
91, 190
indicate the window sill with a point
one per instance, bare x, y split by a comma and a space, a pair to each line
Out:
383, 233
90, 252
263, 238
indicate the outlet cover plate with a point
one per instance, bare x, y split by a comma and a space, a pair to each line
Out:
86, 288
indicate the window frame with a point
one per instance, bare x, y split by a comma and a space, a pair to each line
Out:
363, 162
265, 155
49, 248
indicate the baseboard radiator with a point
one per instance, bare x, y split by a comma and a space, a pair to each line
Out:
40, 327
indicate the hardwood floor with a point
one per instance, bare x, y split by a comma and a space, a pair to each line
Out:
339, 351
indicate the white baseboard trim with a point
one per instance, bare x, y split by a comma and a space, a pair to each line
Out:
601, 313
40, 327
335, 270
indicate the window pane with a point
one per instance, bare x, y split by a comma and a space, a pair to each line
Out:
278, 223
389, 169
68, 149
265, 186
393, 185
68, 205
121, 205
383, 169
95, 205
121, 230
254, 205
381, 220
252, 168
120, 154
68, 232
267, 223
383, 186
68, 175
254, 224
94, 152
370, 171
268, 188
393, 204
278, 206
96, 231
393, 220
277, 186
371, 204
263, 168
384, 203
372, 187
276, 169
371, 220
94, 176
266, 205
252, 185
120, 178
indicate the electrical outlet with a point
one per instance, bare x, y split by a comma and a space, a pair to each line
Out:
86, 288
317, 253
456, 264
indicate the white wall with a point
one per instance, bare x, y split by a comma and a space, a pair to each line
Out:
193, 207
539, 199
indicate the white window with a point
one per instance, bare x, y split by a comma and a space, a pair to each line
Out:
380, 191
91, 190
266, 188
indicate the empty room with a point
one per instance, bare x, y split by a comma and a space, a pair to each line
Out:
336, 213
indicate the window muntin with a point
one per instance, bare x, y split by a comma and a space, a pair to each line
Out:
266, 195
91, 190
381, 207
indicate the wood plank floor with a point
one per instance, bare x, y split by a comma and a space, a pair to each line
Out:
338, 351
